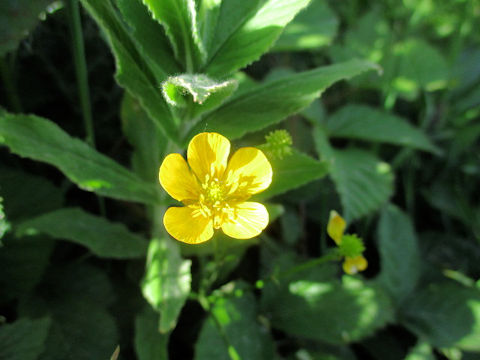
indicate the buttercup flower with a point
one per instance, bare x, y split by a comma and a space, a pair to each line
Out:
350, 246
215, 190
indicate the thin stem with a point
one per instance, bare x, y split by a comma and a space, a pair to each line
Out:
9, 83
75, 25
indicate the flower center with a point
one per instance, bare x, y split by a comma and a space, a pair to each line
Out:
214, 192
213, 201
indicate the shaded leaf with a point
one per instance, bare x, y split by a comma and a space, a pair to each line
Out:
231, 330
39, 139
17, 19
4, 225
101, 237
24, 262
253, 37
167, 280
399, 253
421, 351
75, 297
293, 171
270, 103
313, 28
147, 140
367, 123
133, 72
308, 305
24, 339
445, 315
149, 343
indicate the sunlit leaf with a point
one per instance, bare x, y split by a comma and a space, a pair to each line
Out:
39, 139
101, 237
167, 280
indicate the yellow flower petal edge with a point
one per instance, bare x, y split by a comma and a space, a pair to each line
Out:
214, 190
336, 226
354, 265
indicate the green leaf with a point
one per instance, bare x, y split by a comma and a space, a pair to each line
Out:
179, 18
399, 253
419, 66
233, 315
167, 281
149, 343
270, 103
313, 28
23, 262
147, 140
445, 315
76, 298
40, 139
24, 339
363, 182
4, 225
371, 124
421, 351
101, 237
133, 72
38, 195
17, 19
249, 36
150, 38
198, 90
309, 306
293, 171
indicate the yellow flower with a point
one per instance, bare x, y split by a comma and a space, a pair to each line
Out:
353, 265
214, 190
336, 228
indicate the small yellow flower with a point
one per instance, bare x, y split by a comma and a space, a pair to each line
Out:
352, 245
214, 190
353, 265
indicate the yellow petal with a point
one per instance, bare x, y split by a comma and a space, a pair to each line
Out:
188, 225
250, 171
207, 154
336, 226
177, 179
354, 265
249, 220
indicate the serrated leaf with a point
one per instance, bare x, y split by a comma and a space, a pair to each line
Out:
445, 315
205, 92
313, 28
179, 18
293, 171
253, 37
270, 103
17, 19
24, 339
76, 301
310, 307
147, 140
150, 38
232, 316
363, 182
39, 139
149, 343
399, 253
101, 237
167, 281
371, 124
133, 72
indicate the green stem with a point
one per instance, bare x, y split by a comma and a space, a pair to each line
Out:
10, 85
75, 25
